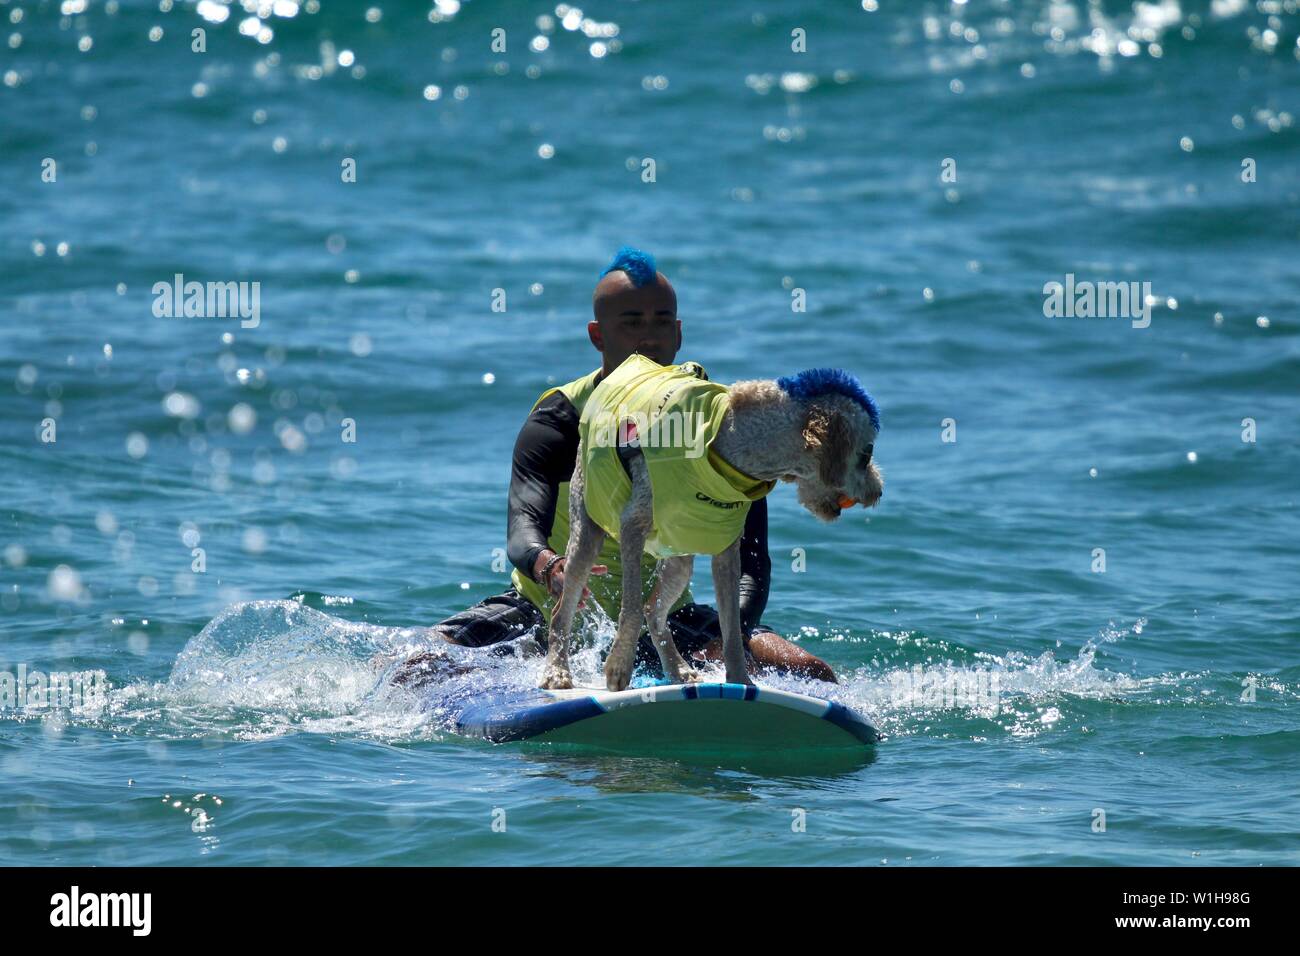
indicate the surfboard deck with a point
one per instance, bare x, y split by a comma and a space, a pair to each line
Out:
686, 717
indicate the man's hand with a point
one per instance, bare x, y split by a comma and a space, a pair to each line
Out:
557, 575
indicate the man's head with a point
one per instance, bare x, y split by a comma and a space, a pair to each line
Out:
635, 310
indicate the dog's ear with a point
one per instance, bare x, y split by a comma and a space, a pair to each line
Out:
828, 435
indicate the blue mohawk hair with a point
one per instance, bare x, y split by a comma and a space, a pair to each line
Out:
823, 381
639, 266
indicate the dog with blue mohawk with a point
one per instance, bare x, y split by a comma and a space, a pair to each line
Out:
668, 464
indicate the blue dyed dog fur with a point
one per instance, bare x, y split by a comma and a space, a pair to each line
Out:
823, 381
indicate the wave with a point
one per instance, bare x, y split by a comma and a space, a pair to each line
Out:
265, 669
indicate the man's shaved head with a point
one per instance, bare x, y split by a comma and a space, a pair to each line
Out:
635, 310
615, 294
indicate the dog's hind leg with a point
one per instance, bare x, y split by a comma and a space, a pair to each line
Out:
726, 585
674, 575
634, 527
585, 539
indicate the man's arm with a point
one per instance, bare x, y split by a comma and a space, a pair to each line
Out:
543, 458
755, 567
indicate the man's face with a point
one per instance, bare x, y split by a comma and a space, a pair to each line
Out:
630, 320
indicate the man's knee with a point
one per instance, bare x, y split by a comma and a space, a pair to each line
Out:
501, 617
771, 650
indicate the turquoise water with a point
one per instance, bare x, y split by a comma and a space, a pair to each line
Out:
248, 720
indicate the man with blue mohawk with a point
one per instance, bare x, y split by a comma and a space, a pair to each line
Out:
635, 311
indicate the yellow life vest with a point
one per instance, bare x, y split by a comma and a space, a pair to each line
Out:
700, 500
605, 588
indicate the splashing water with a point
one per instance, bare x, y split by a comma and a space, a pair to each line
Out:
267, 668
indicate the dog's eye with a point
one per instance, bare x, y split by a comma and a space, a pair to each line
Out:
865, 458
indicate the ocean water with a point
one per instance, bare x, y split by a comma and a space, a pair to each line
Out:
1110, 543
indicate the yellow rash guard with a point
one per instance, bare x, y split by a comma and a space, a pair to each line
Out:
700, 501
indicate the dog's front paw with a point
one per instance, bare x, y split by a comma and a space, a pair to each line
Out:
685, 674
618, 673
556, 678
742, 678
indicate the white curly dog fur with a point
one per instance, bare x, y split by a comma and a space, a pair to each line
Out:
823, 443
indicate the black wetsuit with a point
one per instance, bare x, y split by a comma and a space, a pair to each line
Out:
543, 458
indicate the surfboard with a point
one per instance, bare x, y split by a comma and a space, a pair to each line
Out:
676, 717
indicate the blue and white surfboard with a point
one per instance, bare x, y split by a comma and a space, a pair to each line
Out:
670, 716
